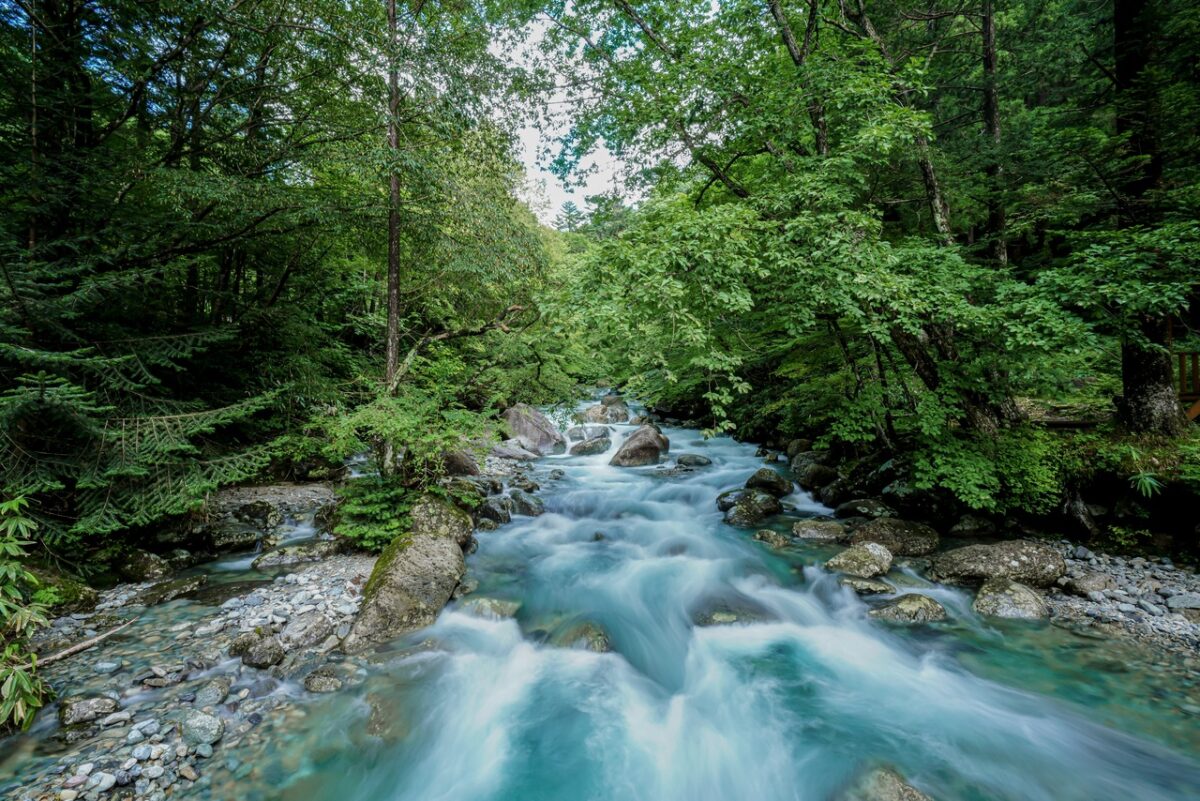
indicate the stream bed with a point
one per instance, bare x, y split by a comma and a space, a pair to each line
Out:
628, 644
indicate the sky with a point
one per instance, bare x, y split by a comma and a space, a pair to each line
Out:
545, 193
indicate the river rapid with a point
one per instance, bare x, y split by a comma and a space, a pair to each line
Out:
735, 672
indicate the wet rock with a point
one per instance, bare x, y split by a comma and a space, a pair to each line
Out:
106, 667
614, 411
306, 631
493, 608
434, 517
262, 653
525, 504
139, 565
644, 446
586, 432
314, 551
901, 537
322, 680
813, 476
532, 430
212, 693
866, 560
460, 463
772, 538
819, 530
883, 784
169, 590
867, 586
412, 580
497, 510
910, 608
1088, 582
727, 499
752, 507
200, 727
864, 507
973, 526
768, 480
1002, 597
261, 513
586, 636
84, 710
1020, 560
512, 449
797, 446
590, 447
692, 460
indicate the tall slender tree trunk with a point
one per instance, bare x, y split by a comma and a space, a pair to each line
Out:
996, 222
392, 359
1149, 404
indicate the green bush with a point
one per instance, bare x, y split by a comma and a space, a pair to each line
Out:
22, 692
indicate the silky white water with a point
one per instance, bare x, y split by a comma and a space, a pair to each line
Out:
788, 692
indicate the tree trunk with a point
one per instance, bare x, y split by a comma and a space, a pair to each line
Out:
1150, 404
392, 359
996, 222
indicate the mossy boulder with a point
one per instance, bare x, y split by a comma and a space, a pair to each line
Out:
819, 530
901, 537
768, 480
910, 608
435, 517
1028, 562
751, 508
1002, 597
866, 560
883, 784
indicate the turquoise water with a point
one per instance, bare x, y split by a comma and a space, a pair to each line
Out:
792, 695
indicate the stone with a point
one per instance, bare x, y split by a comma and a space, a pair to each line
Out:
813, 475
139, 565
591, 447
200, 727
644, 446
306, 631
263, 653
85, 709
727, 499
613, 412
1003, 597
322, 680
910, 608
460, 462
1031, 563
973, 526
752, 507
433, 517
102, 782
819, 530
532, 430
525, 504
692, 460
512, 449
586, 432
864, 507
1088, 582
169, 590
493, 608
1184, 600
106, 667
883, 784
497, 510
866, 560
768, 480
1151, 609
315, 551
901, 537
772, 538
213, 692
867, 586
586, 636
188, 772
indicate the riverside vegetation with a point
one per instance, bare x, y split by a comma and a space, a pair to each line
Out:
937, 260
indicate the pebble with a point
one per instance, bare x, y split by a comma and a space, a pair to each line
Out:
153, 772
141, 753
106, 667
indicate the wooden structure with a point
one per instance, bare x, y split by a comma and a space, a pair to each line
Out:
1187, 381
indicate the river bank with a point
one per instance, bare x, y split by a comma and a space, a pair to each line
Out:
192, 700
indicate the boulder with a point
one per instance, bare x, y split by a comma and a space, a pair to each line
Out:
525, 504
611, 409
85, 710
883, 784
314, 551
644, 446
257, 650
460, 463
910, 608
867, 586
819, 530
1088, 582
590, 447
867, 560
492, 608
864, 507
772, 538
169, 590
751, 508
306, 631
497, 510
1020, 560
901, 537
201, 728
413, 578
1003, 597
814, 476
585, 636
586, 432
798, 446
512, 449
768, 480
322, 680
230, 535
973, 526
261, 513
139, 565
692, 460
532, 430
727, 499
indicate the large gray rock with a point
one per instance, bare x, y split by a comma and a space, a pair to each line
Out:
314, 551
864, 507
306, 631
590, 447
1002, 597
1020, 560
819, 530
644, 446
533, 430
611, 412
692, 460
866, 560
513, 449
751, 508
901, 537
139, 565
768, 480
414, 577
1090, 581
257, 650
169, 590
910, 608
85, 710
883, 784
586, 432
201, 728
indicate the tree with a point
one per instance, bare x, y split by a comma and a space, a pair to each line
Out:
570, 218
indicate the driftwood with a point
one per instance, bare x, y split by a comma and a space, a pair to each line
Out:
86, 644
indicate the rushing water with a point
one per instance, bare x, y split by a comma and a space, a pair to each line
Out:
789, 696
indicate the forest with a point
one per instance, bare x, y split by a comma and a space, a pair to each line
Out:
952, 246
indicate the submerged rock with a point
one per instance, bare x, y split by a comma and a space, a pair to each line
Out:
590, 447
768, 480
494, 608
533, 430
867, 586
585, 432
883, 784
752, 507
611, 409
910, 608
322, 680
772, 538
819, 530
201, 728
644, 446
901, 537
1020, 560
525, 504
692, 460
866, 560
84, 710
1003, 597
585, 636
